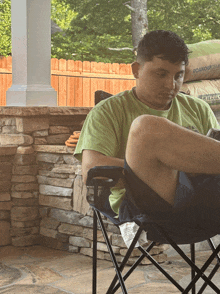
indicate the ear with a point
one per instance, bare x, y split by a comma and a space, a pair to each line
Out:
135, 69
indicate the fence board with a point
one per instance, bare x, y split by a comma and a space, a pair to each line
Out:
76, 81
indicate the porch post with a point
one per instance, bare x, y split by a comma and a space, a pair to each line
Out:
31, 54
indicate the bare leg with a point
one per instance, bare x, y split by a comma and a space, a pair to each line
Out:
157, 149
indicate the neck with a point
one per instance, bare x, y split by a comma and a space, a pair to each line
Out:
152, 106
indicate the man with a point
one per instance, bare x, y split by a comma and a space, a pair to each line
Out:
148, 131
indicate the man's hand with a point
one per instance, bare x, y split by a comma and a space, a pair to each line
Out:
91, 158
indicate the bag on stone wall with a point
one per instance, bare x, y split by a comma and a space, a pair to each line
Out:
204, 61
208, 90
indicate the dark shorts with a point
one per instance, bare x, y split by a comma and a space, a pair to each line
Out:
195, 215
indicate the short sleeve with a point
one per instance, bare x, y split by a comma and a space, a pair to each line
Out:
100, 133
210, 121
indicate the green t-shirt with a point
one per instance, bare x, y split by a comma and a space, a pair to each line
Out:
107, 125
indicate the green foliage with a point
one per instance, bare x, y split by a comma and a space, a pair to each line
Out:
90, 27
96, 26
5, 27
193, 20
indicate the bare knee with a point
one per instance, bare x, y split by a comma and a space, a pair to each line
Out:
149, 126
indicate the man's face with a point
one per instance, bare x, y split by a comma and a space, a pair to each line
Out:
158, 81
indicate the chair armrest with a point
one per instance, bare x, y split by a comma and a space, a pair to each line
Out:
111, 174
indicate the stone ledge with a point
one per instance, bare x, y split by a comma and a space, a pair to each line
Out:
54, 149
42, 110
8, 150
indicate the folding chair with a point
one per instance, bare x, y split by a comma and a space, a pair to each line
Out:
98, 203
98, 200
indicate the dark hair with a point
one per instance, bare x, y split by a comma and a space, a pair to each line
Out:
164, 43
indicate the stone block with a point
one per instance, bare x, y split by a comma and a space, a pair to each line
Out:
5, 197
53, 243
22, 195
25, 224
5, 205
5, 186
50, 174
26, 240
40, 141
89, 252
25, 170
43, 133
79, 242
31, 124
25, 150
5, 177
117, 240
57, 139
70, 217
44, 211
48, 232
45, 165
80, 202
58, 130
17, 232
23, 179
48, 157
6, 121
7, 150
5, 215
64, 169
24, 213
25, 159
5, 168
56, 191
112, 228
69, 229
24, 202
9, 130
73, 249
103, 247
54, 149
70, 159
15, 139
119, 258
25, 187
86, 221
50, 223
136, 252
5, 238
6, 158
57, 202
66, 183
88, 234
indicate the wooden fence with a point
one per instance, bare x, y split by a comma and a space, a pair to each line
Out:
76, 81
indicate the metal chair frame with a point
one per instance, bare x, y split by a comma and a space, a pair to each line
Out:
119, 279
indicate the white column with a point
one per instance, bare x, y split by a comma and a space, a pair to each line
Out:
31, 54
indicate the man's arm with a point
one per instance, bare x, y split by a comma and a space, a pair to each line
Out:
91, 158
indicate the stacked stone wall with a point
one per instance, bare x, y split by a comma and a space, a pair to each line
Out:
6, 163
66, 216
21, 129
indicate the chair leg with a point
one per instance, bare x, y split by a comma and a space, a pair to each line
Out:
199, 272
192, 250
112, 288
94, 259
117, 269
214, 270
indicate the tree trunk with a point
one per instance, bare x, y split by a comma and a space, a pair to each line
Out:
139, 20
